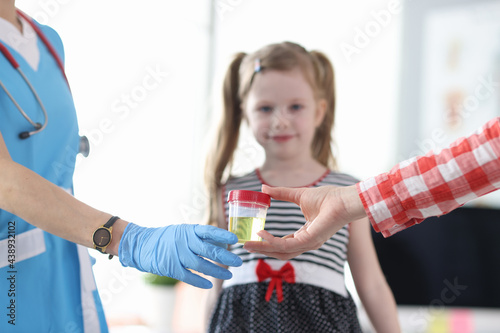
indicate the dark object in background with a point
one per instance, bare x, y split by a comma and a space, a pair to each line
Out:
452, 260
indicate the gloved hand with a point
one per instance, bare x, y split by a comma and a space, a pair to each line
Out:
171, 250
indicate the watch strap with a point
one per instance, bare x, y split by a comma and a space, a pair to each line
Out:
110, 222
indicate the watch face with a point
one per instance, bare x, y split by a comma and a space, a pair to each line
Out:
102, 237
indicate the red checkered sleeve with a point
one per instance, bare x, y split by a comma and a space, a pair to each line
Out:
434, 184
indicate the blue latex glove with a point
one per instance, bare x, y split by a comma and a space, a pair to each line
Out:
171, 250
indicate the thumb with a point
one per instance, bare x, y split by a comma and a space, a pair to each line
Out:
284, 193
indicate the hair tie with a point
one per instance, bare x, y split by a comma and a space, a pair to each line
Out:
257, 67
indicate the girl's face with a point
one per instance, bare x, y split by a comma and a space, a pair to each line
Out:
283, 113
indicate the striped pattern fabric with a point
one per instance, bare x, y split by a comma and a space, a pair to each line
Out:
434, 184
284, 218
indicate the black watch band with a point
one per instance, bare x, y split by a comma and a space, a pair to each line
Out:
110, 222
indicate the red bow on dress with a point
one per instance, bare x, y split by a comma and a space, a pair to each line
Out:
286, 273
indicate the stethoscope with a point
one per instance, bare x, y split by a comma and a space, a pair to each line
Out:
84, 144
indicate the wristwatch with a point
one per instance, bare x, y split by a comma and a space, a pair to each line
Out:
103, 235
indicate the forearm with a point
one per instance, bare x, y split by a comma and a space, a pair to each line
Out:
45, 205
381, 308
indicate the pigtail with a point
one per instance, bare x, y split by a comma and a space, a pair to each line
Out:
220, 157
322, 141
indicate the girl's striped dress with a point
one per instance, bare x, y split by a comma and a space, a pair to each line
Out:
304, 294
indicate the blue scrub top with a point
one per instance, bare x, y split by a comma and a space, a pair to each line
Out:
47, 284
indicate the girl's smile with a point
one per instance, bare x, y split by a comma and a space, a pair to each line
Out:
281, 138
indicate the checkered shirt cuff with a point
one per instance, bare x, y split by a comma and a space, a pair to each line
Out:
434, 184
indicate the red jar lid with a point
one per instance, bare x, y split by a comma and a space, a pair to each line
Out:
249, 196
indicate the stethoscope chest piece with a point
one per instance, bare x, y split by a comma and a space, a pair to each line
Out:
84, 146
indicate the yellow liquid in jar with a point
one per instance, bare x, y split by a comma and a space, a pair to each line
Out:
246, 228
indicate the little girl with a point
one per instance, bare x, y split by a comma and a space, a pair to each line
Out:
286, 95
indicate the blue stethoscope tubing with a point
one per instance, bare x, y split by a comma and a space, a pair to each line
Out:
38, 127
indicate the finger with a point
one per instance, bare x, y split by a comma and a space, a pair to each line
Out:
265, 235
282, 248
255, 246
217, 253
250, 245
215, 235
284, 193
224, 246
195, 280
276, 241
303, 228
208, 268
270, 244
280, 255
323, 228
296, 243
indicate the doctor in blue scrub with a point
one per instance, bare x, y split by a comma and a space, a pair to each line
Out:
46, 281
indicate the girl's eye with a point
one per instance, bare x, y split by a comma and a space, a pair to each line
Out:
296, 107
265, 109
